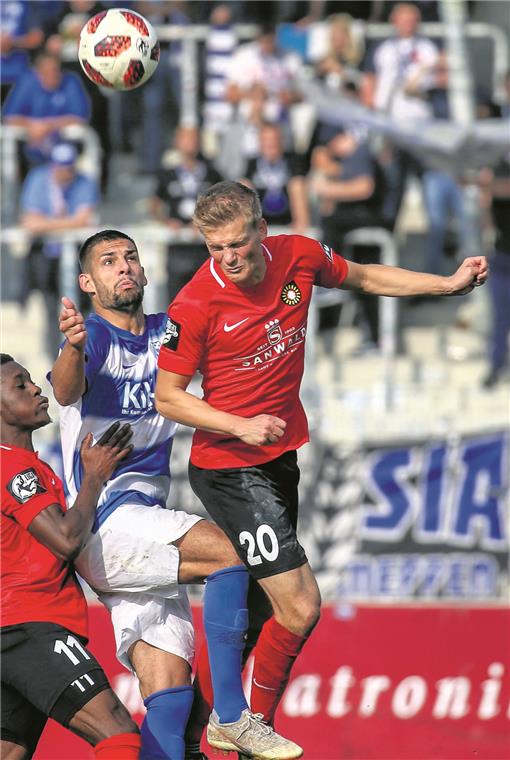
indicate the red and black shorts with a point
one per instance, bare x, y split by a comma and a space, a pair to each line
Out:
46, 672
257, 507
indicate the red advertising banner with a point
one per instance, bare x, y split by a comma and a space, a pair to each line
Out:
389, 683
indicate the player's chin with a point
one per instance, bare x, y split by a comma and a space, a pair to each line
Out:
41, 418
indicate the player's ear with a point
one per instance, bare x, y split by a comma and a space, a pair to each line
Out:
86, 283
263, 229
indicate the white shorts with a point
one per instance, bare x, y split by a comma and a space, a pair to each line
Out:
133, 567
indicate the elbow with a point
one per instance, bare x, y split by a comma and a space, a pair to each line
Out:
68, 549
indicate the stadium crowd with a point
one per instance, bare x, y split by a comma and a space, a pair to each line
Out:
253, 122
254, 128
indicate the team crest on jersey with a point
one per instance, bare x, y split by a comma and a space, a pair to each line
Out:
291, 295
274, 331
25, 485
328, 251
172, 334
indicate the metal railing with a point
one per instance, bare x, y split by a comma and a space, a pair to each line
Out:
153, 241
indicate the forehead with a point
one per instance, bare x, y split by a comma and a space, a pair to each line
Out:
118, 246
228, 233
11, 371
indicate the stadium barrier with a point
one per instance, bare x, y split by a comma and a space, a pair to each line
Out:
374, 681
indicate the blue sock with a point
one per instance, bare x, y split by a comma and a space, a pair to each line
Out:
226, 623
164, 725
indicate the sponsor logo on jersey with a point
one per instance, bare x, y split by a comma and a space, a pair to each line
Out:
291, 295
274, 331
172, 334
25, 485
328, 251
137, 397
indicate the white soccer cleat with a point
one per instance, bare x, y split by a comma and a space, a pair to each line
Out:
251, 736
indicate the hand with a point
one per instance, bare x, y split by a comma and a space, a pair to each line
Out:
471, 273
72, 324
261, 430
102, 459
38, 130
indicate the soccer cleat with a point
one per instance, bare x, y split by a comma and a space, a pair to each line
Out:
251, 736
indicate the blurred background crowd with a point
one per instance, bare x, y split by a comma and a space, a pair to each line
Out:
313, 104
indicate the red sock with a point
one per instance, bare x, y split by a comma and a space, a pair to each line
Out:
276, 650
203, 698
119, 747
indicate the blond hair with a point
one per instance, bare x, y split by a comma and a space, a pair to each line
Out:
224, 203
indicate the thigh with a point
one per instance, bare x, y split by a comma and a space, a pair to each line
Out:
133, 551
22, 723
51, 668
163, 623
257, 508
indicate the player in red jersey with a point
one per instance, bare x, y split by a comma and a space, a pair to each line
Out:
46, 669
241, 321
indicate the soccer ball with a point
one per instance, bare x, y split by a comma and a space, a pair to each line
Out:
118, 48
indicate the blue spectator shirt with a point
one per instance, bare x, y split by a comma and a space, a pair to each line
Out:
16, 21
29, 98
42, 194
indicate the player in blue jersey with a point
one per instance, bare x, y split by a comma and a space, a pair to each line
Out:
139, 552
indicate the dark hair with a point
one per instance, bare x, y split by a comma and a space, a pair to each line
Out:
99, 237
5, 359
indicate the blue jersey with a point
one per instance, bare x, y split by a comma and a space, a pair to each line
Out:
121, 374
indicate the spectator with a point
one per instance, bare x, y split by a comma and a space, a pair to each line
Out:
339, 68
161, 95
55, 197
261, 86
174, 202
390, 83
279, 179
500, 275
62, 32
20, 33
44, 100
219, 46
347, 183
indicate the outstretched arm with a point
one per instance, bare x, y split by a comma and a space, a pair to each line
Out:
174, 401
382, 280
68, 373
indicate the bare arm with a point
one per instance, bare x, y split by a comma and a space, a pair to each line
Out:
299, 203
38, 223
68, 373
357, 189
382, 280
64, 533
174, 401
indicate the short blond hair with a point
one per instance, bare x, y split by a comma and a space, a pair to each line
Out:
225, 202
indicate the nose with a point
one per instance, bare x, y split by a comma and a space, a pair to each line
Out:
36, 390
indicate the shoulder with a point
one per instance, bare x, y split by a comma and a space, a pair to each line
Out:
99, 333
38, 176
71, 81
196, 295
156, 322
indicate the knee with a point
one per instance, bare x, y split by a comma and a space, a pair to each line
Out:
302, 614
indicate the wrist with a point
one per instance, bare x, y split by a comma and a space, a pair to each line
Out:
236, 426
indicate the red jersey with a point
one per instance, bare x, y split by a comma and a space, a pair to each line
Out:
248, 344
37, 586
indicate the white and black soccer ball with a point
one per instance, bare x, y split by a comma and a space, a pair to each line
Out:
118, 48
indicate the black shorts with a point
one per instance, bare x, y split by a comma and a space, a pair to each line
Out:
257, 508
46, 672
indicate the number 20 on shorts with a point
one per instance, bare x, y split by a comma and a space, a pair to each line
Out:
258, 545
